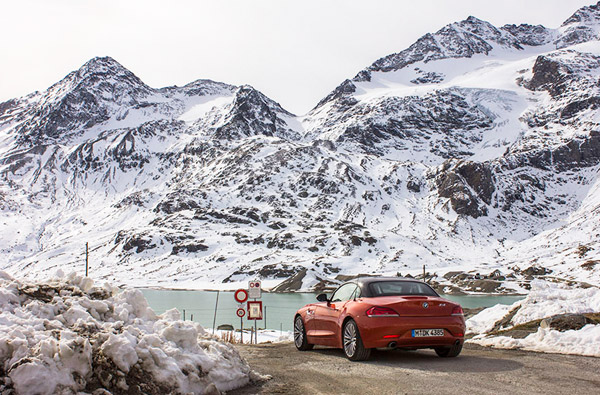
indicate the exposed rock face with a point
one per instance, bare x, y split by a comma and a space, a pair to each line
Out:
475, 147
448, 123
549, 75
293, 283
529, 35
566, 322
468, 185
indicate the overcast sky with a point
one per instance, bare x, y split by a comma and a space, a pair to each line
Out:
293, 51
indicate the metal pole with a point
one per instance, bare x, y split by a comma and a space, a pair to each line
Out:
265, 317
255, 332
184, 314
242, 330
423, 272
192, 318
87, 255
215, 317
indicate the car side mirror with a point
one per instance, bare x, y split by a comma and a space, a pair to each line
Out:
322, 298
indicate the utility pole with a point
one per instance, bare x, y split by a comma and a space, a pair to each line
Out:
87, 258
215, 316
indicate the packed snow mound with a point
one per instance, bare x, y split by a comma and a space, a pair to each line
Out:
545, 300
585, 341
68, 336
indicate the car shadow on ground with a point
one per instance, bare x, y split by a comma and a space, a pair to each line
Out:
427, 360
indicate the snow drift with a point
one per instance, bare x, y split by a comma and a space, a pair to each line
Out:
545, 300
66, 335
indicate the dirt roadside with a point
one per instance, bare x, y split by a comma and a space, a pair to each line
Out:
477, 370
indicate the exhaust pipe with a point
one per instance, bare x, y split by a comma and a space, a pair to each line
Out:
392, 345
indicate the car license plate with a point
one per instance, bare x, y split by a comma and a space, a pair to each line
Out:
427, 332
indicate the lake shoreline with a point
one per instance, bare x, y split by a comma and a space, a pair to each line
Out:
159, 288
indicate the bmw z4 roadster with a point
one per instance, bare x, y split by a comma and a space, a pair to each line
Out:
381, 312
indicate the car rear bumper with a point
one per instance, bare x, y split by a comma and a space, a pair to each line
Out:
379, 332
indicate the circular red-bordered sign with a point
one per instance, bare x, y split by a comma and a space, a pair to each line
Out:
240, 312
241, 295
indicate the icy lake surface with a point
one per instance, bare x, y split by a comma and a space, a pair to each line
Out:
280, 308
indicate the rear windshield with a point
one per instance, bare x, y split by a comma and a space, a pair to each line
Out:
393, 288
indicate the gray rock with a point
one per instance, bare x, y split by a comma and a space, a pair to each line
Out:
565, 322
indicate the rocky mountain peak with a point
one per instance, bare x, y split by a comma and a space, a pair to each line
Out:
462, 39
585, 15
99, 90
480, 28
203, 87
581, 27
102, 64
246, 98
100, 72
253, 113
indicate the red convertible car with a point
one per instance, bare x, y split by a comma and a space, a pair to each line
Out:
381, 312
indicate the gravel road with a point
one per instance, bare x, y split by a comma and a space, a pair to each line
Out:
477, 370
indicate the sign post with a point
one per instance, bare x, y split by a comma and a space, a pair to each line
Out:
255, 313
240, 296
241, 313
254, 292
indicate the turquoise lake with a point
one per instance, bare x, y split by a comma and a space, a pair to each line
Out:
279, 308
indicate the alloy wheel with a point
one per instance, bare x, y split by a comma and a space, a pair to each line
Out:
350, 339
298, 332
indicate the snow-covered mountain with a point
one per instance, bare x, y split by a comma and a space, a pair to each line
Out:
476, 148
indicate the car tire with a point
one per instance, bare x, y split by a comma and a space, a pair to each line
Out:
352, 343
300, 340
449, 351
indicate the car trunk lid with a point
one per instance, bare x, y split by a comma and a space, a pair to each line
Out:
415, 306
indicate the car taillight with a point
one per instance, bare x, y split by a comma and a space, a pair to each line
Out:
381, 312
457, 310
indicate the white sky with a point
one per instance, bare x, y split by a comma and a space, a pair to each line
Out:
293, 51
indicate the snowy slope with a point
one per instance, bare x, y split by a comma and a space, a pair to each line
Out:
475, 149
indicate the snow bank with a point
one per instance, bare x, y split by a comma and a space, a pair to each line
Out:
544, 300
485, 320
67, 336
585, 341
264, 336
547, 299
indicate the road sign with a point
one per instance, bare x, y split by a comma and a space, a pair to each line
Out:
240, 312
254, 289
255, 310
241, 295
